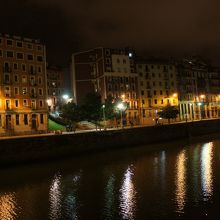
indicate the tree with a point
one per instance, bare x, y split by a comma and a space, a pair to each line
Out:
109, 108
91, 108
169, 112
71, 113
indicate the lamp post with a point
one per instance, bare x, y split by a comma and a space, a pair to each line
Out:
103, 111
120, 106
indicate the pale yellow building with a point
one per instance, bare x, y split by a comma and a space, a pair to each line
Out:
23, 107
157, 85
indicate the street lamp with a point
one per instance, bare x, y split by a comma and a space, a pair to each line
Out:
120, 106
66, 97
103, 111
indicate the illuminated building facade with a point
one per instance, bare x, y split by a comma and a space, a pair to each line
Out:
199, 89
23, 107
157, 83
109, 72
55, 87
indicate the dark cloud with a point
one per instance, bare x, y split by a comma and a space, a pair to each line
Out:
171, 27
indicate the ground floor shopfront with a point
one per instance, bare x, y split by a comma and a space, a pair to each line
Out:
198, 110
12, 123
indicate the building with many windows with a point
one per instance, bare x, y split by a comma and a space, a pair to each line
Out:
109, 72
199, 89
157, 86
55, 87
23, 88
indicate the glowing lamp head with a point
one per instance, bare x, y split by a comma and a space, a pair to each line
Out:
202, 96
65, 97
175, 95
120, 106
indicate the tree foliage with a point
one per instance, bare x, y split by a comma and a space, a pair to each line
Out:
91, 108
169, 112
109, 108
71, 113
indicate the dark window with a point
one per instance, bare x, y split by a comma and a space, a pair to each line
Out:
41, 118
39, 58
155, 101
17, 119
19, 44
20, 56
9, 54
16, 103
142, 92
23, 67
25, 119
155, 92
41, 103
16, 78
29, 46
30, 57
9, 42
39, 47
16, 91
15, 66
161, 92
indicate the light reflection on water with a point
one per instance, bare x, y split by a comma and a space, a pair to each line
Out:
147, 186
128, 195
181, 181
8, 206
206, 170
63, 197
109, 198
55, 196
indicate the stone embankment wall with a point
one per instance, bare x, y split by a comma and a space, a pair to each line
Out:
39, 148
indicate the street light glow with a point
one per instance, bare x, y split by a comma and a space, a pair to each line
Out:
202, 96
174, 94
65, 97
120, 106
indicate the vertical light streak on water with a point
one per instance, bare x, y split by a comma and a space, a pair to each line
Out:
162, 169
109, 198
181, 181
71, 202
128, 196
206, 171
55, 196
8, 206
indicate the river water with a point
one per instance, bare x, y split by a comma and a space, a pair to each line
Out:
175, 181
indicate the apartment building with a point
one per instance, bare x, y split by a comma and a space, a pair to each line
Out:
55, 87
199, 89
157, 86
23, 88
109, 72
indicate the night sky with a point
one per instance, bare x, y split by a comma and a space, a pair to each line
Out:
153, 27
